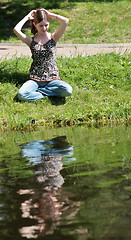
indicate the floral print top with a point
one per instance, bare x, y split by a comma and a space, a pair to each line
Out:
44, 66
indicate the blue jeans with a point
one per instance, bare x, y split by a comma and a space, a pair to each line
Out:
32, 90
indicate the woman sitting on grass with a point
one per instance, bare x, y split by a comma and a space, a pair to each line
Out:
44, 77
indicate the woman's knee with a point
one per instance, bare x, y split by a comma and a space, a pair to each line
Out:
66, 90
26, 90
23, 95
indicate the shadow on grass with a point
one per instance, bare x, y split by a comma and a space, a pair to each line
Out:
13, 11
57, 100
15, 78
18, 79
53, 100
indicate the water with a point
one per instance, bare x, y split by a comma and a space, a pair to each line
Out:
66, 183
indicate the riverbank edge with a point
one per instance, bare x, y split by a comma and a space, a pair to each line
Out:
34, 125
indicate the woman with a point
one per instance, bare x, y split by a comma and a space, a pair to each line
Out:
44, 77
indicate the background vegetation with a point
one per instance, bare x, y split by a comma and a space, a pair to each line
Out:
90, 21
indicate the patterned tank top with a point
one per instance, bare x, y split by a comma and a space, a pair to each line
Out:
44, 66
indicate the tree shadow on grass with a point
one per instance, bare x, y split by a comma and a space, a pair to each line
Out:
11, 12
14, 78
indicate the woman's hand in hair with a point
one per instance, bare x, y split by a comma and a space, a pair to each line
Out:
31, 15
49, 14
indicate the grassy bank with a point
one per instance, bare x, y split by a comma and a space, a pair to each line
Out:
90, 22
101, 93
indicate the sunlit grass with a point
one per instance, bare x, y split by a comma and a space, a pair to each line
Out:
101, 93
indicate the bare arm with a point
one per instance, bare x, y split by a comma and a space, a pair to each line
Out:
63, 24
18, 29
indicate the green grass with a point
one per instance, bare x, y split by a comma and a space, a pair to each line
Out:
90, 22
101, 93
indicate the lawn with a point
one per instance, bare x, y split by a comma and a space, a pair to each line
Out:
90, 22
101, 93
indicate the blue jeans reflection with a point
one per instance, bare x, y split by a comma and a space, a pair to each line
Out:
46, 205
48, 156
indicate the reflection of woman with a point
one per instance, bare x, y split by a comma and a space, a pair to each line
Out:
47, 157
44, 77
46, 205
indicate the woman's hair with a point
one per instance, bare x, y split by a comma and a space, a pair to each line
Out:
38, 17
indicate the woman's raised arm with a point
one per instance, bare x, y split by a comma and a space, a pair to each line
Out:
64, 22
18, 28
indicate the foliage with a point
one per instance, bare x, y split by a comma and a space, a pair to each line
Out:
90, 21
101, 93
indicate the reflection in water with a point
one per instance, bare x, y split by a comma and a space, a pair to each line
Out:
41, 198
47, 202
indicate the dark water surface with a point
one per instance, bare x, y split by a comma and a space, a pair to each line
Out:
66, 184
